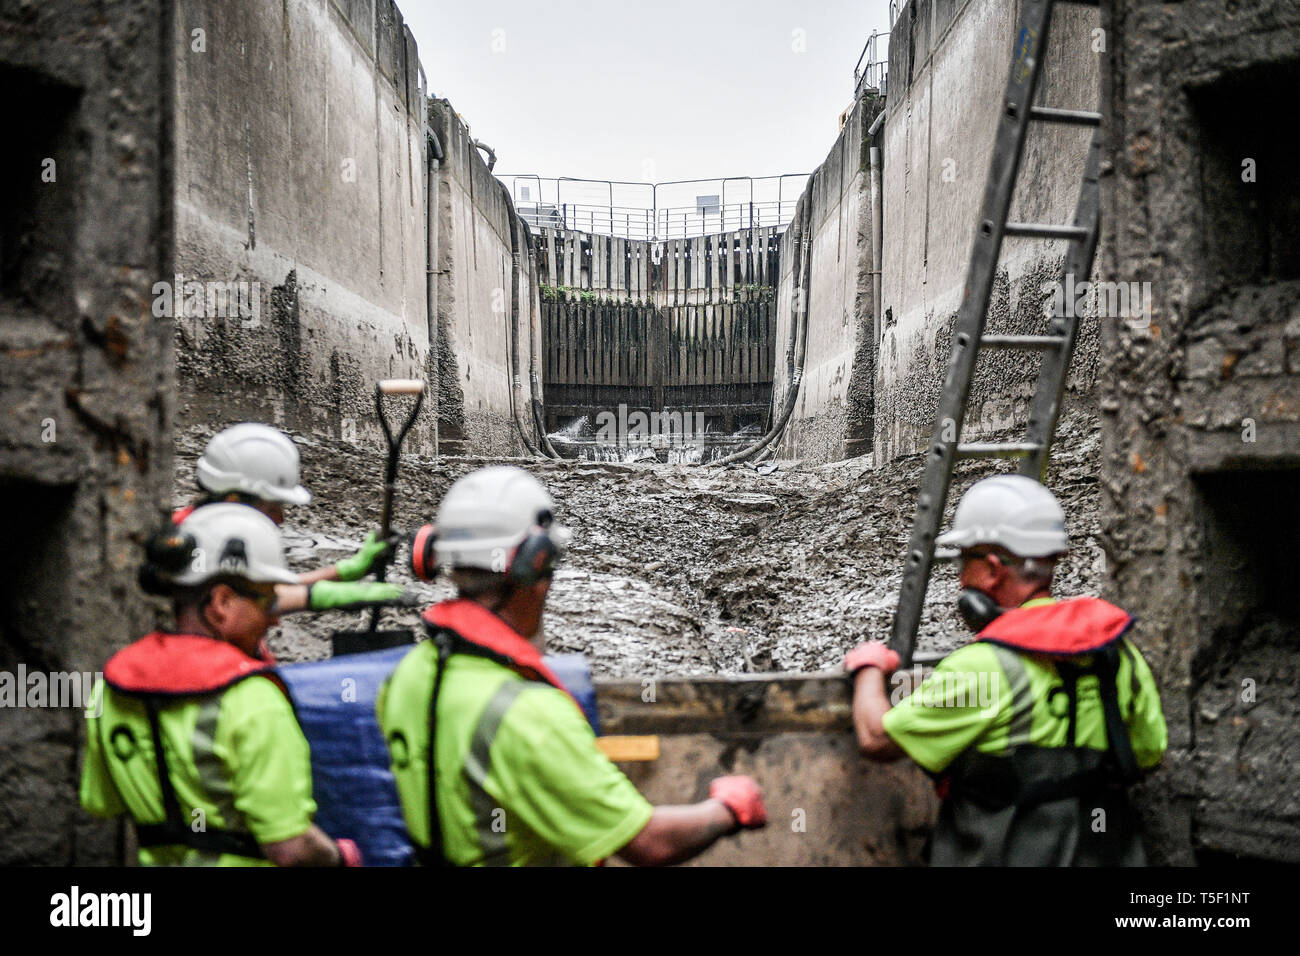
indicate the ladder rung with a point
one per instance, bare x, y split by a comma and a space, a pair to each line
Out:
1049, 114
1040, 342
929, 658
995, 450
1044, 230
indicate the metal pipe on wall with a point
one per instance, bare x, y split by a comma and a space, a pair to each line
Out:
517, 244
512, 330
877, 238
431, 186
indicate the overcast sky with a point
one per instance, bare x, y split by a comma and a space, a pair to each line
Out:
647, 90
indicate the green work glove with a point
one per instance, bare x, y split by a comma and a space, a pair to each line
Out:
343, 595
360, 564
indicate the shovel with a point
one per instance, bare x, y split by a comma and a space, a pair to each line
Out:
354, 642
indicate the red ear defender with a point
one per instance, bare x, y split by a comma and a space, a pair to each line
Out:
424, 560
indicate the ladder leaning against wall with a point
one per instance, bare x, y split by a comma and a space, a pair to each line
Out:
945, 448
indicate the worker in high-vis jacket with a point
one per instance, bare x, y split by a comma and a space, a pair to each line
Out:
1035, 731
515, 774
257, 465
190, 733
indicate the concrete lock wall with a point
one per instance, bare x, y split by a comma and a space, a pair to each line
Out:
86, 379
834, 412
301, 124
1201, 411
947, 73
485, 306
300, 166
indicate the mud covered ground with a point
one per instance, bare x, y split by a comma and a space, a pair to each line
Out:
681, 570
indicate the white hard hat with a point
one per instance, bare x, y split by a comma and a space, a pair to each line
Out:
1012, 511
233, 539
253, 459
488, 513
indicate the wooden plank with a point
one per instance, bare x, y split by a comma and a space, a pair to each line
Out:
626, 748
625, 336
720, 344
547, 341
710, 366
619, 264
559, 323
612, 343
642, 253
561, 345
734, 330
697, 264
770, 351
731, 262
697, 351
598, 336
589, 313
706, 266
674, 269
750, 703
552, 347
689, 352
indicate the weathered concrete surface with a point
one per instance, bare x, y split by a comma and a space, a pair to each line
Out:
948, 70
835, 408
300, 166
1201, 411
826, 804
86, 379
476, 278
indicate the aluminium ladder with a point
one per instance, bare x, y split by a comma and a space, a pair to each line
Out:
1018, 111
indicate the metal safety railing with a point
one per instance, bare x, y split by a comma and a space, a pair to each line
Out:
655, 211
872, 69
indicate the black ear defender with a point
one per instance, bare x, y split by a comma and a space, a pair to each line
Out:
534, 559
536, 555
424, 559
167, 553
977, 609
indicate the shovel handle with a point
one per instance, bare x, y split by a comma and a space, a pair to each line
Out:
401, 386
393, 386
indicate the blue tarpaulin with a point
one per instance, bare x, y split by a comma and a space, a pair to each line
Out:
354, 789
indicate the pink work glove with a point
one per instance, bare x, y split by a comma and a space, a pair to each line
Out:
350, 852
871, 654
742, 796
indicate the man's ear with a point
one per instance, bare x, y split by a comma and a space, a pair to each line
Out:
219, 602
